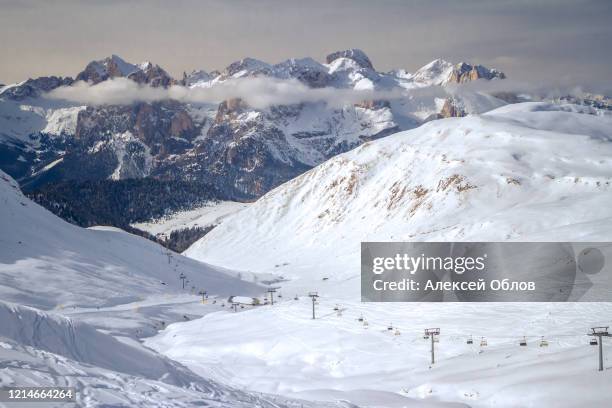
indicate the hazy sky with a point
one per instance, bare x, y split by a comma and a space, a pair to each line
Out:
529, 40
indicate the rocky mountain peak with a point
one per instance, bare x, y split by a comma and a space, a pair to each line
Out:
247, 67
153, 75
116, 67
109, 67
33, 88
354, 54
196, 76
306, 70
464, 72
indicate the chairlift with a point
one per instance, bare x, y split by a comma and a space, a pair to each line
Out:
390, 327
360, 319
336, 308
397, 332
543, 342
426, 336
279, 295
523, 342
470, 340
365, 324
296, 297
483, 342
593, 342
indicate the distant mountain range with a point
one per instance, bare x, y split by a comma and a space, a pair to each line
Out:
239, 151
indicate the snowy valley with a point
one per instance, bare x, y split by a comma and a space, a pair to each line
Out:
146, 222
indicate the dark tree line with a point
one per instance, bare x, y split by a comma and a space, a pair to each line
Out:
122, 202
180, 240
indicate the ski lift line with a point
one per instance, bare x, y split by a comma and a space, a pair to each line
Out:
544, 340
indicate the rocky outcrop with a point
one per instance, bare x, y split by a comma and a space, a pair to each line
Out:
152, 75
463, 72
450, 109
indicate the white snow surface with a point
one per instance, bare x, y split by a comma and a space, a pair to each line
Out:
104, 286
280, 349
46, 262
530, 171
210, 214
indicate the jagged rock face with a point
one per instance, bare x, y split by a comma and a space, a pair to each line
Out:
165, 127
33, 88
115, 67
152, 75
354, 54
243, 151
120, 142
463, 72
450, 109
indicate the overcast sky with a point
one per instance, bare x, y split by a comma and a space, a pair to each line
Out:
529, 40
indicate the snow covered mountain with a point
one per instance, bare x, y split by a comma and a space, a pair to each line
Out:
101, 291
525, 171
44, 255
242, 150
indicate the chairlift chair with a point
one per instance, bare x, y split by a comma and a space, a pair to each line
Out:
365, 324
336, 308
523, 342
483, 342
593, 342
390, 327
397, 332
360, 319
470, 340
543, 342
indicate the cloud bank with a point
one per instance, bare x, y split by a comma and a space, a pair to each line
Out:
258, 93
263, 92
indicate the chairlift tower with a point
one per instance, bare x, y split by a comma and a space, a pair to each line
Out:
432, 333
271, 291
203, 294
313, 296
600, 333
182, 277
